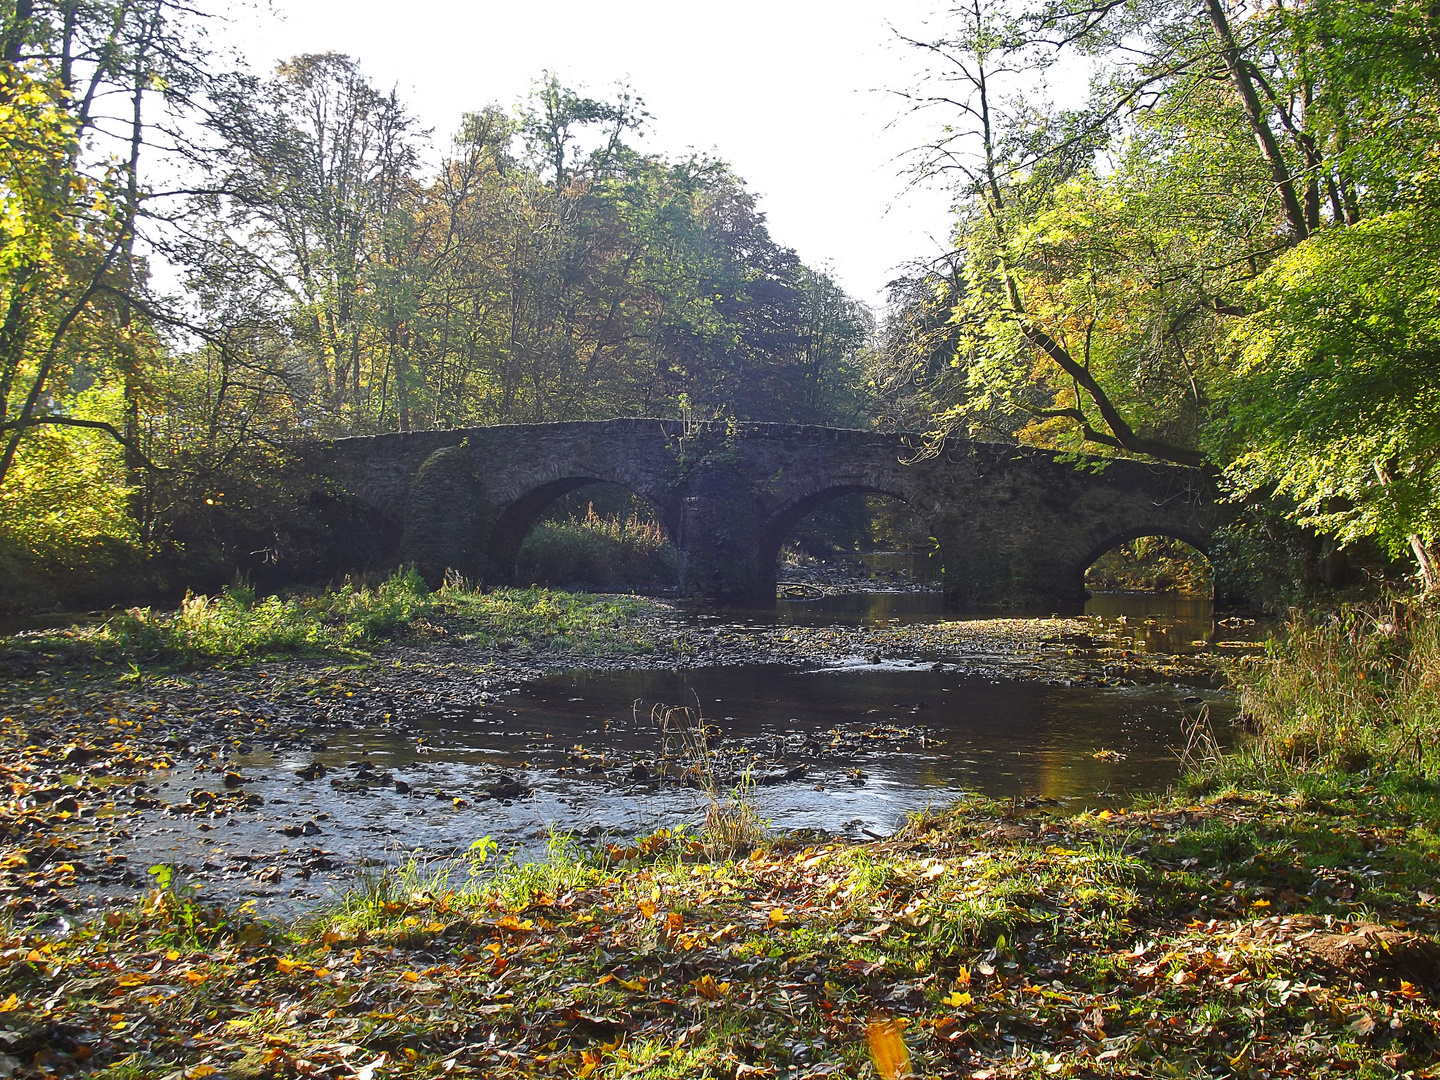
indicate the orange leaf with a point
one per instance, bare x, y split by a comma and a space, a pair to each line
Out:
887, 1049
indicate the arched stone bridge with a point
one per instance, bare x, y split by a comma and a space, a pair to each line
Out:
1016, 527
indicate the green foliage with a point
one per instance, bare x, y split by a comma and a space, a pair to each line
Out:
1336, 398
235, 625
1225, 258
604, 552
1356, 690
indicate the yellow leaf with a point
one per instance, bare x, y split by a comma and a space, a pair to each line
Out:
195, 978
636, 984
284, 965
410, 976
10, 1004
957, 999
887, 1050
199, 1072
647, 908
778, 916
709, 989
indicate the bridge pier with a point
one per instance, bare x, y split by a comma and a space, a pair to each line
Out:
980, 577
444, 518
721, 541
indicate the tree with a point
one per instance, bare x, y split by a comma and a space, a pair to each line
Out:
70, 275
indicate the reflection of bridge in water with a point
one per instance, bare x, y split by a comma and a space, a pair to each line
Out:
1016, 527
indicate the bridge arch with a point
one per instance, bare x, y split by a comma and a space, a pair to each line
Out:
516, 519
1188, 537
784, 522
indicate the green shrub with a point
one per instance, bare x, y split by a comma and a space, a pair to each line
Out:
602, 552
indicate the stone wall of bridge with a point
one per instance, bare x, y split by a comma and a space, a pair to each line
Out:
1016, 527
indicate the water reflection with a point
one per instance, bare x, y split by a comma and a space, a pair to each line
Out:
1170, 623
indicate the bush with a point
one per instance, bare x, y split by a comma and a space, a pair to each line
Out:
235, 624
601, 552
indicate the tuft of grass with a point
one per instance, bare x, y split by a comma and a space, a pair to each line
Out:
732, 826
605, 552
1359, 688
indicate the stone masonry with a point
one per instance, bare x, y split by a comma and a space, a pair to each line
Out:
1016, 527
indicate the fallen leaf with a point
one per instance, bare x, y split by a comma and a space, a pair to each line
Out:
709, 989
887, 1049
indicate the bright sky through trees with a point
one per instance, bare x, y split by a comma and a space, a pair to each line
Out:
787, 91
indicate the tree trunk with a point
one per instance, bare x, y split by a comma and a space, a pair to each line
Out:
1245, 87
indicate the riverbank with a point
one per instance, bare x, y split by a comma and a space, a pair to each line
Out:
1283, 929
262, 774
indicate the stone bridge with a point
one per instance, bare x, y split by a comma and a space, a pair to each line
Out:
1016, 527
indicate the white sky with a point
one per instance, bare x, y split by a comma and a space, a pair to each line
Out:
787, 91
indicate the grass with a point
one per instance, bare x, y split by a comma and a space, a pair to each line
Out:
602, 552
1202, 935
731, 826
1358, 688
236, 626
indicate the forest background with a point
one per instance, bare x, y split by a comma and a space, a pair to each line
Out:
1222, 256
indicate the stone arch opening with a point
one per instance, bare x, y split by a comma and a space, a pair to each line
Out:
585, 532
1149, 560
859, 532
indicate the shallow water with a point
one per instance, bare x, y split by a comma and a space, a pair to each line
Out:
1171, 623
876, 742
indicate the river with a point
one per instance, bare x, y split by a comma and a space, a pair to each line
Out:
846, 748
